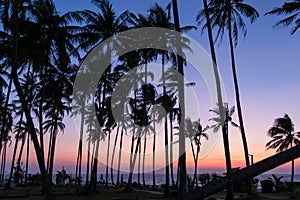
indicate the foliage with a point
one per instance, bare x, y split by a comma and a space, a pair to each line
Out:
279, 185
61, 177
292, 9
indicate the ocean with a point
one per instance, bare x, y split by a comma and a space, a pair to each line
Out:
160, 178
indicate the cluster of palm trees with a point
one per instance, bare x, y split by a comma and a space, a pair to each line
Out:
39, 57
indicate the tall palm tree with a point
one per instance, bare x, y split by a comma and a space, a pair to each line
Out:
182, 154
224, 125
228, 15
56, 107
291, 8
140, 106
98, 27
283, 137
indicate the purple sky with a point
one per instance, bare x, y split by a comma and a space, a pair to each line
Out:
268, 66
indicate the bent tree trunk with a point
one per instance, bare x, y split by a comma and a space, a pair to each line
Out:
246, 173
46, 183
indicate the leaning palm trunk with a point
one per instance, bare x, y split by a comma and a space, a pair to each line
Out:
27, 157
246, 173
49, 149
46, 184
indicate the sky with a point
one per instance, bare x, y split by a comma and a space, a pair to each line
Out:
268, 69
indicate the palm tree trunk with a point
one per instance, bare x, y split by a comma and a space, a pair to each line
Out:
113, 156
131, 161
41, 126
49, 149
52, 154
46, 184
12, 163
182, 154
153, 153
144, 157
194, 157
93, 182
129, 186
120, 155
214, 57
293, 168
107, 160
237, 93
171, 149
167, 187
229, 191
139, 165
246, 173
14, 155
20, 156
5, 112
88, 163
3, 162
27, 157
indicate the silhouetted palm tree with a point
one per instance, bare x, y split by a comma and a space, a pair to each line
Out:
291, 8
194, 131
182, 154
224, 125
228, 15
283, 137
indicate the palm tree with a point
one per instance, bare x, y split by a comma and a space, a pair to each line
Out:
100, 26
283, 137
224, 125
194, 131
21, 128
182, 154
292, 9
228, 14
140, 107
56, 106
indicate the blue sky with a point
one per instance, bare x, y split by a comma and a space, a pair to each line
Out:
268, 66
